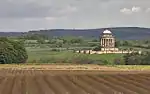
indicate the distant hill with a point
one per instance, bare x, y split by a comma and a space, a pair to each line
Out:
126, 33
6, 34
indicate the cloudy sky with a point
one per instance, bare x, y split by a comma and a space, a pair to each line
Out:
24, 15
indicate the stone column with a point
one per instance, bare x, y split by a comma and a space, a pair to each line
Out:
108, 42
102, 42
111, 42
105, 42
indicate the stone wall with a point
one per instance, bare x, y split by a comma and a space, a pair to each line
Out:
109, 49
103, 52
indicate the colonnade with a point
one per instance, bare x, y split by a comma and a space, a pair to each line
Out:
108, 42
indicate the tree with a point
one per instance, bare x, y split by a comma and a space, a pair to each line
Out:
125, 43
78, 40
93, 45
89, 52
64, 41
35, 37
97, 48
146, 41
118, 61
12, 52
84, 52
41, 41
94, 40
117, 43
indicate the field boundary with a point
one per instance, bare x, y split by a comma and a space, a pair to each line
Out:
90, 67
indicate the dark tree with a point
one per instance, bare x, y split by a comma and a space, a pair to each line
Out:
79, 51
12, 52
97, 48
117, 43
77, 40
137, 59
94, 40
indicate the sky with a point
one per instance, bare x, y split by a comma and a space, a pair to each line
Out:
25, 15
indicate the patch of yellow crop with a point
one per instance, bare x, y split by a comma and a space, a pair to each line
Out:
58, 67
77, 67
133, 67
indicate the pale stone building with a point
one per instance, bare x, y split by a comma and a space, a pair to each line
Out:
107, 41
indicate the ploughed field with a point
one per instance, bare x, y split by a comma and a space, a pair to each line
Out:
15, 81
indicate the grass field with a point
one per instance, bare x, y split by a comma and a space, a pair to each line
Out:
37, 54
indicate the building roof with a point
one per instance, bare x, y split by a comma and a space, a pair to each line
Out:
107, 32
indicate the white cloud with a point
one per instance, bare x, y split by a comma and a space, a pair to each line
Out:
126, 11
136, 9
33, 14
132, 10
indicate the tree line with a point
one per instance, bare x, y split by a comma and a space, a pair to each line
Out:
134, 59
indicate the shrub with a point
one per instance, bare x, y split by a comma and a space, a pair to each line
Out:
12, 52
137, 59
97, 48
55, 50
118, 61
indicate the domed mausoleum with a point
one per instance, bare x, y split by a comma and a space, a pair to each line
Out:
107, 41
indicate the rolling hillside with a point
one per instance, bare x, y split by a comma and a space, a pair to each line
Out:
120, 32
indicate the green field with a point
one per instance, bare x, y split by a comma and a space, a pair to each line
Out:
48, 56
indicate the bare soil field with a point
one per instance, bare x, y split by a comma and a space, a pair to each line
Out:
34, 81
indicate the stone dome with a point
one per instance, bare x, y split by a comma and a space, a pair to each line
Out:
106, 32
